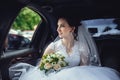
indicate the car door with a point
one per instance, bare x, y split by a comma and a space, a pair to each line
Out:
43, 35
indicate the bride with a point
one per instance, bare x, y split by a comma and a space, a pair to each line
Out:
80, 52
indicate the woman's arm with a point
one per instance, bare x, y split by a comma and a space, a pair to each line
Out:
84, 60
48, 50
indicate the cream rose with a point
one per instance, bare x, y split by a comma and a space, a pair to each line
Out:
57, 66
47, 66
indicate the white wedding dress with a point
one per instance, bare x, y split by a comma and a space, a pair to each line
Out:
73, 71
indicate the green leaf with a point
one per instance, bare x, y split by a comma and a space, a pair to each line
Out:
42, 66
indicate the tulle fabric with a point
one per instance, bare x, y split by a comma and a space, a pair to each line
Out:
74, 73
87, 47
87, 73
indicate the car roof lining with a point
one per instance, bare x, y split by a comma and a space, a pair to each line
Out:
83, 9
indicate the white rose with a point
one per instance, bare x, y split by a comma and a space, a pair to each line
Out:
44, 61
50, 60
53, 55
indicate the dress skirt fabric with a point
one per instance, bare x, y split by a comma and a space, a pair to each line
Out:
74, 73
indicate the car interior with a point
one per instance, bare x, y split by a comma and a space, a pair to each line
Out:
45, 33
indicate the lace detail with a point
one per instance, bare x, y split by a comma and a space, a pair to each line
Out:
73, 58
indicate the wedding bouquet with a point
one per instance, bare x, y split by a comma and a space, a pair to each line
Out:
53, 61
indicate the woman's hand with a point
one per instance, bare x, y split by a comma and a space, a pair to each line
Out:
84, 60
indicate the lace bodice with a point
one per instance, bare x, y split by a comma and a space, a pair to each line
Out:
73, 58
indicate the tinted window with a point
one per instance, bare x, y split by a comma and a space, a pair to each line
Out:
23, 28
99, 27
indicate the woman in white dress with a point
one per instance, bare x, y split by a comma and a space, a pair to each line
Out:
80, 53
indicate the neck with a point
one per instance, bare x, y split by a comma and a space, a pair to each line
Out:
68, 43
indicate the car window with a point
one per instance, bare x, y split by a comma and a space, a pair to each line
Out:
22, 29
102, 27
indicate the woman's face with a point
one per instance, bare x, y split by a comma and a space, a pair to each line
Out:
64, 29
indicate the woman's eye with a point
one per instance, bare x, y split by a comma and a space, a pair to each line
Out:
62, 26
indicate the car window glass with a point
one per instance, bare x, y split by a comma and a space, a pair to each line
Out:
22, 29
100, 27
